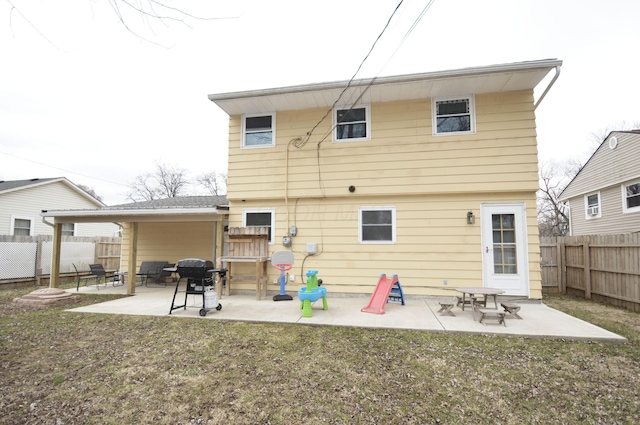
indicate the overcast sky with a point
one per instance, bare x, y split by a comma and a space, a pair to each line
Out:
82, 97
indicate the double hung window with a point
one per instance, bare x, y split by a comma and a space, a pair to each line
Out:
377, 225
454, 115
258, 130
631, 197
21, 226
352, 124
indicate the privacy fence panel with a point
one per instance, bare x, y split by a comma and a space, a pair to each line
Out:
18, 260
25, 259
604, 268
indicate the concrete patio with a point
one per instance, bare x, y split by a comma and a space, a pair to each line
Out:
539, 321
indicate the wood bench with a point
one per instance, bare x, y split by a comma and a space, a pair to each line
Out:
491, 314
447, 305
512, 309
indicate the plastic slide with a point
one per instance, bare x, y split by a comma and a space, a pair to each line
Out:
380, 295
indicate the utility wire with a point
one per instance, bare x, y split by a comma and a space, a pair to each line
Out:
62, 169
301, 142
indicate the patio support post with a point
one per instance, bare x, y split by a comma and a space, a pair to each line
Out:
54, 280
219, 241
133, 255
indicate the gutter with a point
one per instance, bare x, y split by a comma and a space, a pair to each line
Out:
535, 106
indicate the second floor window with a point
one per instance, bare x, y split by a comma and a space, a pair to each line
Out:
453, 115
258, 131
631, 194
352, 124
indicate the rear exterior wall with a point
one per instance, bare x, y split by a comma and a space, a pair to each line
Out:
432, 181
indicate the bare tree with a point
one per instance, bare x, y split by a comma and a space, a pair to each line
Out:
214, 182
90, 191
553, 219
597, 137
127, 11
165, 182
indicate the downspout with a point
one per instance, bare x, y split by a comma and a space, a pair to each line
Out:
535, 106
47, 223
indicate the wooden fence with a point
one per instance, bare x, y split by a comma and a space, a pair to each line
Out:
604, 268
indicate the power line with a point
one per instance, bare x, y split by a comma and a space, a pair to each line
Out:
300, 143
62, 169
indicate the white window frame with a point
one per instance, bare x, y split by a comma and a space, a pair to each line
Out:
262, 210
367, 113
472, 114
73, 229
22, 217
587, 216
393, 224
244, 130
625, 209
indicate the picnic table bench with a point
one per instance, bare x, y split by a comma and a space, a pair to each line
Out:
511, 308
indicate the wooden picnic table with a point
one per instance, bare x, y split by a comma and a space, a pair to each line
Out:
485, 292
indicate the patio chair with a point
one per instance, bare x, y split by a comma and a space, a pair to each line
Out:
154, 271
96, 271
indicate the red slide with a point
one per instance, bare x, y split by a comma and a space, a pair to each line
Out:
380, 295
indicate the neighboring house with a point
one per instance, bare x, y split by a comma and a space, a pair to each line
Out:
21, 202
429, 176
604, 197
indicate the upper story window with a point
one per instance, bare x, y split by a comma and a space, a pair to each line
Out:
631, 197
593, 208
454, 115
352, 124
21, 226
377, 225
258, 130
68, 229
260, 218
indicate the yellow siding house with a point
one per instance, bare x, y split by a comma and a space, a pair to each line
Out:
430, 176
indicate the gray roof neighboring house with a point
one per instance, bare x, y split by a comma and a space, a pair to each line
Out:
15, 185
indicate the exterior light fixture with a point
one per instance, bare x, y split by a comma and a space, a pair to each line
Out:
471, 219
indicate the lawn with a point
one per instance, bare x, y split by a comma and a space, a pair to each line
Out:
58, 367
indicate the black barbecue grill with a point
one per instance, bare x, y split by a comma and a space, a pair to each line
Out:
199, 278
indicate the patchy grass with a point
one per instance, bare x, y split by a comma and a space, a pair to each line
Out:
72, 368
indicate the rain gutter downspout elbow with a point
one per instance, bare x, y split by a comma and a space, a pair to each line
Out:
555, 77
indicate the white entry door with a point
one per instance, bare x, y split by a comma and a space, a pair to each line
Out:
504, 248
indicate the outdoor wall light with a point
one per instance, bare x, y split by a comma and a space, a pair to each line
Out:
471, 219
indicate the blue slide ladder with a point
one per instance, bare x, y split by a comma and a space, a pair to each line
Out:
396, 293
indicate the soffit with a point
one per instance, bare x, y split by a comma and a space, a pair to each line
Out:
495, 78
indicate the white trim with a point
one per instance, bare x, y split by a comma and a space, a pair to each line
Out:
22, 217
625, 209
588, 211
243, 130
272, 211
393, 225
472, 114
367, 113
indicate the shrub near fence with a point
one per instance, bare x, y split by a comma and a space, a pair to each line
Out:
27, 259
604, 268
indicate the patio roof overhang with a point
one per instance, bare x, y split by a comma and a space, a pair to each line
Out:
475, 80
120, 215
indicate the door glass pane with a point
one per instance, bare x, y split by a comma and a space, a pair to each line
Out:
504, 244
